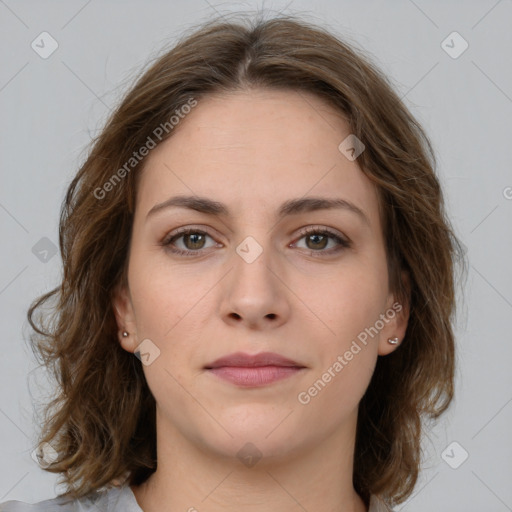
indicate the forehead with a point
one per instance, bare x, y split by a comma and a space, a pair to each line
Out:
256, 148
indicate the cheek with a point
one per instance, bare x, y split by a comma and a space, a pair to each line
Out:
164, 295
173, 306
346, 353
167, 304
346, 303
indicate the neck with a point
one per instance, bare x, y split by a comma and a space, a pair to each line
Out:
194, 478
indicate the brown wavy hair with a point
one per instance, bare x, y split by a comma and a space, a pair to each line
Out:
101, 419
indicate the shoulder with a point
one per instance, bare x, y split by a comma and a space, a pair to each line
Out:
51, 505
115, 499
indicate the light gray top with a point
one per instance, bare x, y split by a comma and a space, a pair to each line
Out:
115, 499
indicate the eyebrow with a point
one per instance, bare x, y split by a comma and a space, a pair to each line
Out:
290, 207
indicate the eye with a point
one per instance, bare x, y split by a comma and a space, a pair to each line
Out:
193, 240
317, 239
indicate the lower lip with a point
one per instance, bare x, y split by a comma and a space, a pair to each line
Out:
256, 376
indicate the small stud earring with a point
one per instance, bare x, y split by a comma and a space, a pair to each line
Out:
393, 341
125, 334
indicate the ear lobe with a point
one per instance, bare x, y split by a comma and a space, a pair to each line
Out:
125, 318
398, 318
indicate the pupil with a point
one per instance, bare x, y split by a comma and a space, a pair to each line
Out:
194, 237
316, 237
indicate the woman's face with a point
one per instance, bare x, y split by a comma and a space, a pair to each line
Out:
257, 273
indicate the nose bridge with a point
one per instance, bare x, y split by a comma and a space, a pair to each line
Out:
255, 294
253, 261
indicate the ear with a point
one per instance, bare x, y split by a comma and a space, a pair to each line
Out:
397, 316
125, 318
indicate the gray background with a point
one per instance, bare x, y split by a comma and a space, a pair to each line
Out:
52, 107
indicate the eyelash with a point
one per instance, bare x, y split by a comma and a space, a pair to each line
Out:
342, 243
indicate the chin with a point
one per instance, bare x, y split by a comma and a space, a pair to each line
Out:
255, 448
264, 433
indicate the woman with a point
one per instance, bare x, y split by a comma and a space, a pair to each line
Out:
261, 226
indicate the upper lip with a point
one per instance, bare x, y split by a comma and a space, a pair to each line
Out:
240, 359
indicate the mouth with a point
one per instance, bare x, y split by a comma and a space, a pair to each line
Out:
247, 370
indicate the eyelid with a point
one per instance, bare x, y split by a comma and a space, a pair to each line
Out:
185, 230
316, 228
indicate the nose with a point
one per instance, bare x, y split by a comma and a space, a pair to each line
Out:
255, 294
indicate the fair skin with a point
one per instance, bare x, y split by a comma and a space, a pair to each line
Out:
301, 298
